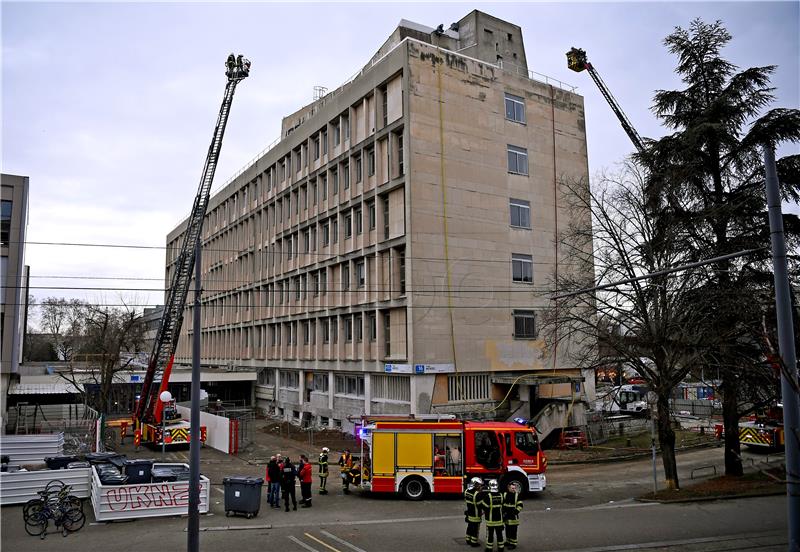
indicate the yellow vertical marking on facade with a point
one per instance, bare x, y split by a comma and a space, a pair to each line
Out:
443, 185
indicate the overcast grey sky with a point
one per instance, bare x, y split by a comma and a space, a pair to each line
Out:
109, 107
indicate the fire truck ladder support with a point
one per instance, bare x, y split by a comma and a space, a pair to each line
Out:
577, 61
162, 356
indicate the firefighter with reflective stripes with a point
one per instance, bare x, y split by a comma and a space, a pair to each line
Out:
472, 513
512, 506
492, 505
323, 470
345, 464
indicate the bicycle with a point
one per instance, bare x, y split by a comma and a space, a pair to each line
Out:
55, 503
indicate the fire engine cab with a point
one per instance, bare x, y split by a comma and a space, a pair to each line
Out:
416, 456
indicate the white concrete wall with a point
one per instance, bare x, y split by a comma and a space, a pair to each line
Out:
217, 428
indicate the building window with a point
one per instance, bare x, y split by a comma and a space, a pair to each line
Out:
385, 218
315, 284
313, 193
359, 223
515, 108
358, 169
346, 175
393, 388
350, 385
323, 183
373, 326
266, 376
361, 276
334, 230
524, 324
348, 328
371, 214
324, 142
346, 126
371, 161
358, 327
335, 181
326, 234
385, 105
306, 332
345, 276
319, 383
520, 213
316, 147
387, 333
337, 138
400, 154
348, 225
323, 281
522, 268
326, 329
517, 160
334, 330
5, 223
306, 240
402, 270
289, 379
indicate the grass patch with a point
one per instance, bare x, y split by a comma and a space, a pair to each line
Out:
750, 484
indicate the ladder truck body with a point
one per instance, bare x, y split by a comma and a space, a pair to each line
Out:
577, 61
150, 411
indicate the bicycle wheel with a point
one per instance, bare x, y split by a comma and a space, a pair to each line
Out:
36, 522
73, 519
72, 501
37, 503
54, 486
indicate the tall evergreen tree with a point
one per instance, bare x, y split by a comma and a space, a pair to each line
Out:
710, 172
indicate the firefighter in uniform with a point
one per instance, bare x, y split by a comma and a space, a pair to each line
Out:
323, 470
472, 514
345, 463
492, 504
512, 506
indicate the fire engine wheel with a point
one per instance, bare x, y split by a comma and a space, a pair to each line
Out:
519, 482
414, 488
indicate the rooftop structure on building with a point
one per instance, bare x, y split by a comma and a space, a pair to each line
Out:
391, 253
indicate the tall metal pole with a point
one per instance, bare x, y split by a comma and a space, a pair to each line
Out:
193, 544
783, 311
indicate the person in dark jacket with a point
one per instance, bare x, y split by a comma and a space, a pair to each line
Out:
274, 478
492, 505
288, 476
323, 470
305, 473
512, 506
472, 513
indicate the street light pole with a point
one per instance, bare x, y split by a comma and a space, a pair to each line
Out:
783, 312
165, 397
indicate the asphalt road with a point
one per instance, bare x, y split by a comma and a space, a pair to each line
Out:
586, 507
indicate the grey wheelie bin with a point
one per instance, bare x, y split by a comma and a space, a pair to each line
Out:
242, 495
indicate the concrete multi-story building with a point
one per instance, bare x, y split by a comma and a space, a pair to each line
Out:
391, 252
14, 298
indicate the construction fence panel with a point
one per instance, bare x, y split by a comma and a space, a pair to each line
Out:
20, 486
31, 449
217, 428
115, 502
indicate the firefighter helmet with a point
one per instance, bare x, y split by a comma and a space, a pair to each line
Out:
493, 485
325, 449
476, 482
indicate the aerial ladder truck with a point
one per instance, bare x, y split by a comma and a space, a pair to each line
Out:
577, 61
151, 415
765, 430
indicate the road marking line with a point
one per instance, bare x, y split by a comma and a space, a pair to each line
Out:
326, 545
301, 543
341, 541
661, 544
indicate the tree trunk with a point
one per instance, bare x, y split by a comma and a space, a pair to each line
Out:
666, 439
730, 421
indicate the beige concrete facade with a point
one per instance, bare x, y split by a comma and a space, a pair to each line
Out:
14, 298
369, 262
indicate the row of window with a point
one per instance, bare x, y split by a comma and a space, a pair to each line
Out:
391, 387
352, 327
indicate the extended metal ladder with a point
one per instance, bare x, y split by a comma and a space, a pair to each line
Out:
160, 364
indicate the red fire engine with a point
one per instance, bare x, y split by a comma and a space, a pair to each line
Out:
417, 456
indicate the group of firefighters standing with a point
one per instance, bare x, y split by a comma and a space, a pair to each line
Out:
499, 509
486, 502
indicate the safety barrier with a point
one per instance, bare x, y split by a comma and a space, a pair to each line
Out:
31, 449
20, 486
115, 502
